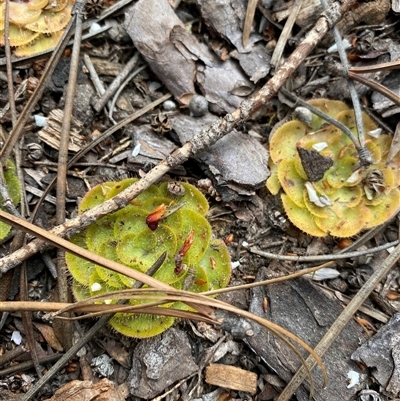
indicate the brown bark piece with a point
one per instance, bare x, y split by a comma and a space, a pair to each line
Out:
50, 134
302, 308
231, 377
104, 390
149, 23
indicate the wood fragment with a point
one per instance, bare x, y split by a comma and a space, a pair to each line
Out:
309, 13
50, 134
104, 390
106, 67
231, 377
250, 11
283, 38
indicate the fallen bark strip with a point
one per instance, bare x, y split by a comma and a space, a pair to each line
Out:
340, 322
200, 142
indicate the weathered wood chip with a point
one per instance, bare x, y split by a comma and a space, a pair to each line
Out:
51, 133
231, 377
104, 390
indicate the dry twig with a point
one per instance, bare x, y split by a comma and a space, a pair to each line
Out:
62, 279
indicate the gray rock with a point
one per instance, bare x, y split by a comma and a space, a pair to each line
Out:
237, 163
159, 362
382, 355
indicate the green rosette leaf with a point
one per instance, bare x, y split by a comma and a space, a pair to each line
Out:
342, 199
153, 223
14, 190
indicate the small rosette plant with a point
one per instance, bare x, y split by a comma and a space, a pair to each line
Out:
35, 25
324, 188
153, 223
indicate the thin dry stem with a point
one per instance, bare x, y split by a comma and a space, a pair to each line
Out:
248, 21
316, 258
276, 58
8, 62
62, 167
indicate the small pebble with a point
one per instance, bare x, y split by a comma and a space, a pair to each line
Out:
198, 106
95, 27
303, 114
169, 105
40, 121
16, 337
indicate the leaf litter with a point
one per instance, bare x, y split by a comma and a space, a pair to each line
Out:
192, 59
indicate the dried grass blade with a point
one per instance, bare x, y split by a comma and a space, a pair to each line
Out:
375, 86
248, 21
76, 250
391, 65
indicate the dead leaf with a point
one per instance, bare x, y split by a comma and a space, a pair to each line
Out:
48, 334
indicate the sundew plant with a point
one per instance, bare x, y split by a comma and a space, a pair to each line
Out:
155, 222
316, 170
